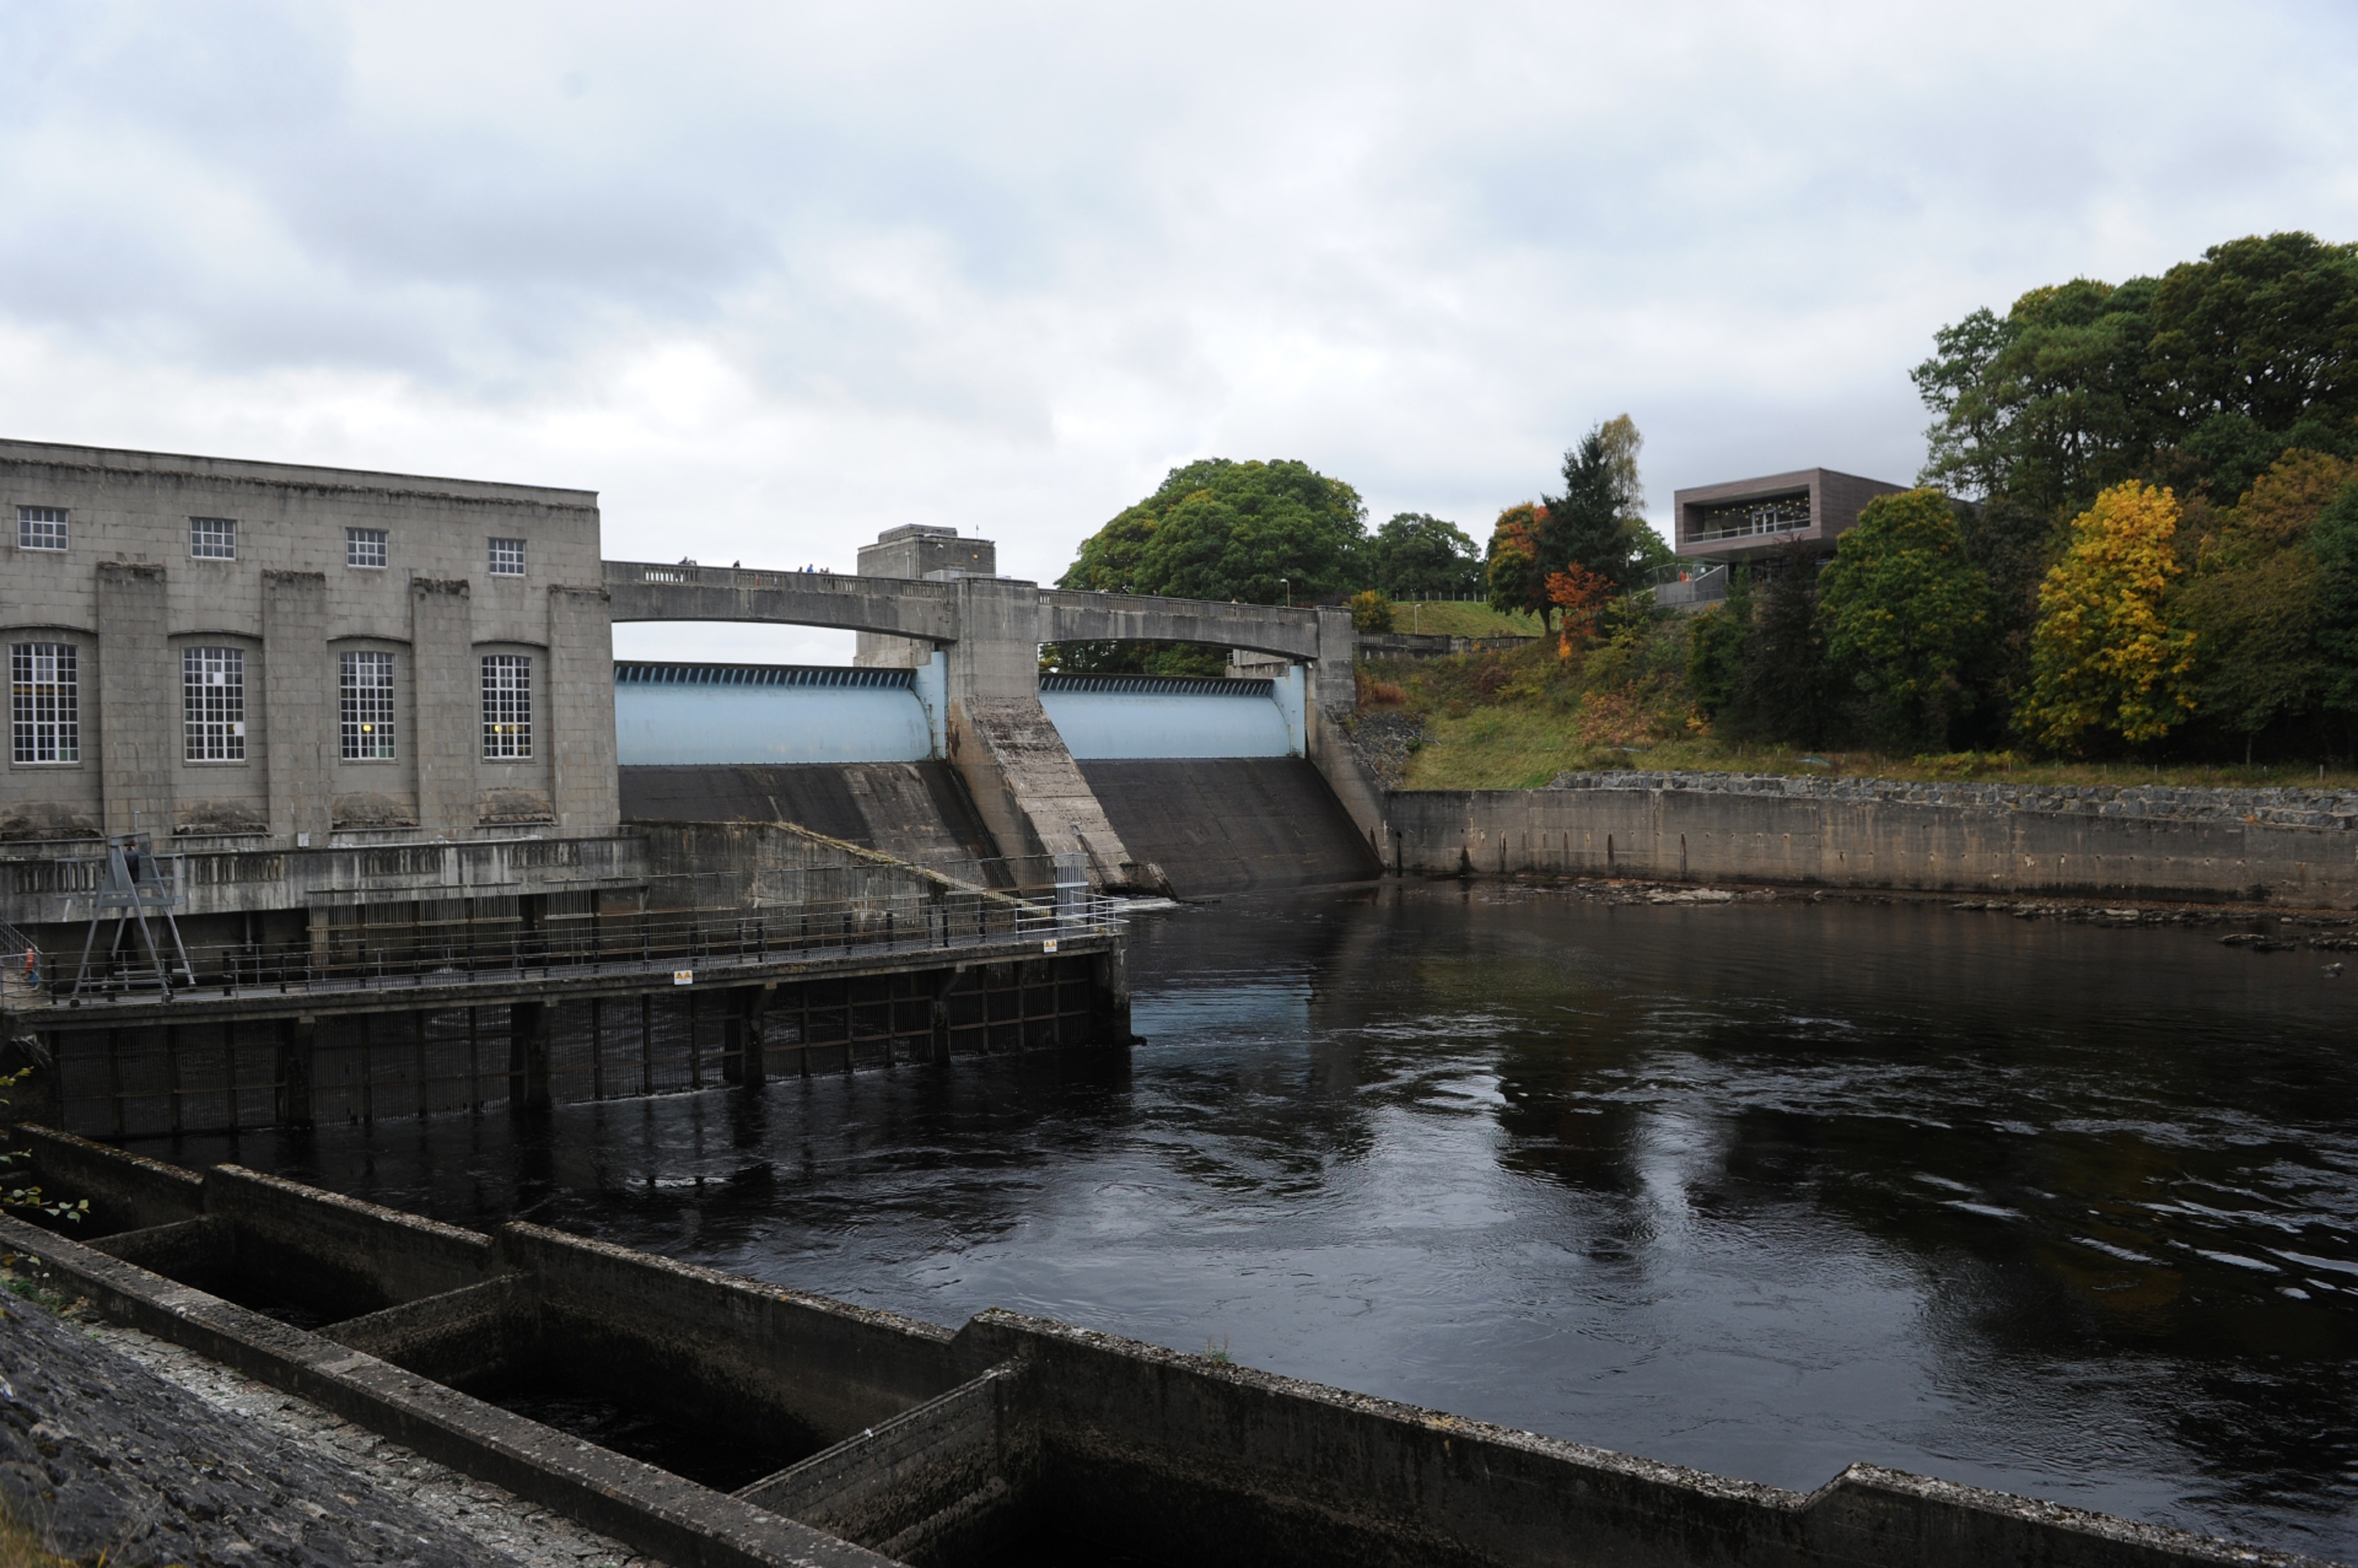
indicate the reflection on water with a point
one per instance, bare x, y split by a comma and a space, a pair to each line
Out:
1765, 1189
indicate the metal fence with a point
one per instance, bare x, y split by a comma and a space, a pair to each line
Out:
811, 911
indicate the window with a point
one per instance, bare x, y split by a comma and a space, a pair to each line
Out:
508, 558
41, 527
364, 687
365, 547
44, 703
507, 705
212, 704
213, 539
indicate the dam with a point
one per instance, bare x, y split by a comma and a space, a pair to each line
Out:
557, 1059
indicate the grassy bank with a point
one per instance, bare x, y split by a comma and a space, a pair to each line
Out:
1460, 618
1515, 720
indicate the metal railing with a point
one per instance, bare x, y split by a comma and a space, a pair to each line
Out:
653, 942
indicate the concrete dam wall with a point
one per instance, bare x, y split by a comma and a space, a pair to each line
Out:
1231, 825
1867, 834
917, 811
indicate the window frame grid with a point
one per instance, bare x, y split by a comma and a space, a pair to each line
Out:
32, 523
507, 707
34, 710
508, 558
359, 543
212, 710
364, 721
222, 544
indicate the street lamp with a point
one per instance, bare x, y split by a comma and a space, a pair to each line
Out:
1288, 588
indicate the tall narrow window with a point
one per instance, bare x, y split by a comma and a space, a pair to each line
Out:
508, 558
44, 703
507, 705
213, 539
364, 686
212, 704
41, 527
365, 547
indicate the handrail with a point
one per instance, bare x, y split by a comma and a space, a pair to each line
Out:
651, 942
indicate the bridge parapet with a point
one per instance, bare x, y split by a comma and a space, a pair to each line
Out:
1071, 616
651, 590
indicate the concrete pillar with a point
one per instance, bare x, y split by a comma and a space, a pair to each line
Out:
1026, 786
1109, 998
742, 1061
447, 683
295, 1037
1334, 703
528, 1032
298, 707
912, 552
585, 788
136, 729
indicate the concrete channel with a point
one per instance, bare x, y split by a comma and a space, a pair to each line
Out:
881, 1439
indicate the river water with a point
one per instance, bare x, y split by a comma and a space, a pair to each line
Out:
1762, 1188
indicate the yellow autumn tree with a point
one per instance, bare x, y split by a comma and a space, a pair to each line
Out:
2105, 657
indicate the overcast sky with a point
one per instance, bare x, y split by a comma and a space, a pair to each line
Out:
772, 278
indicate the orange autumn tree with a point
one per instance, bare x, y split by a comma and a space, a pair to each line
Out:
1582, 595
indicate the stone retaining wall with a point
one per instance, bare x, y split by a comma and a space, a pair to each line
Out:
2288, 846
2287, 806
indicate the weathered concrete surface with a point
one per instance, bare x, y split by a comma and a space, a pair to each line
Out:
1025, 783
713, 1347
647, 590
103, 1457
939, 1483
497, 1520
1067, 616
1219, 826
1174, 1458
1676, 833
655, 1512
918, 811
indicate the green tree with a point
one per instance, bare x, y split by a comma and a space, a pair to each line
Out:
2333, 547
2199, 378
1265, 532
1907, 614
1715, 645
1371, 611
2108, 658
1783, 689
2251, 600
1419, 556
1513, 573
1598, 522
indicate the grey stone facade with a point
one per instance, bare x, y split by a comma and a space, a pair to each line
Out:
135, 586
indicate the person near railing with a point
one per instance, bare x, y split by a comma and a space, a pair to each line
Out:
32, 967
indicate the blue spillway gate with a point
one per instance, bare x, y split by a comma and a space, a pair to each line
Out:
688, 714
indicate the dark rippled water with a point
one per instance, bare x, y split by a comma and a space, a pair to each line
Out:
1761, 1188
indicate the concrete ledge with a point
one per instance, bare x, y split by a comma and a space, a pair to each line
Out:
126, 1192
653, 1511
466, 1335
718, 1348
927, 1484
323, 1248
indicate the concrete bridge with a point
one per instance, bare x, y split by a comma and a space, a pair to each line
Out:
925, 600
